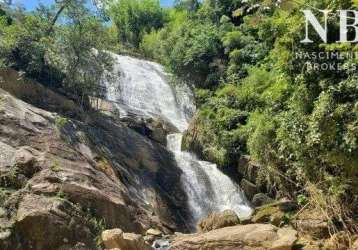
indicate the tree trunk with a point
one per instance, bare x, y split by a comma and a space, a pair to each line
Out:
64, 4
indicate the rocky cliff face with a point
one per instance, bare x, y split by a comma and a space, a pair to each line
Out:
62, 181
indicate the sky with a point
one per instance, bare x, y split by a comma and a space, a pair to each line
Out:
31, 4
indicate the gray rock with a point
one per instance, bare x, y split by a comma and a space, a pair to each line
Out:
42, 222
248, 169
7, 155
287, 205
161, 244
155, 129
249, 188
261, 199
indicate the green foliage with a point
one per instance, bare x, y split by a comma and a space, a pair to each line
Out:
188, 5
302, 200
287, 219
194, 53
5, 18
13, 173
96, 225
22, 45
190, 48
150, 45
55, 167
255, 97
201, 96
61, 122
60, 194
75, 57
261, 129
68, 55
134, 18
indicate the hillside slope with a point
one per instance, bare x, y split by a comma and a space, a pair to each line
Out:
62, 179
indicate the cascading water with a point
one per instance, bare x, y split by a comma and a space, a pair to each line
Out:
140, 87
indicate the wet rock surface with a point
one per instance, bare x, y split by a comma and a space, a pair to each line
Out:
154, 128
161, 244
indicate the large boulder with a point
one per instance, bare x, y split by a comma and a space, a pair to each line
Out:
159, 129
218, 220
194, 139
274, 212
47, 223
246, 237
154, 128
268, 214
261, 199
116, 239
112, 238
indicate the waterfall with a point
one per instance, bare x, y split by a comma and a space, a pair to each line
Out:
141, 87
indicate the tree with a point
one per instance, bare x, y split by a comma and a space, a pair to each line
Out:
192, 53
190, 5
134, 18
70, 54
5, 17
23, 43
79, 53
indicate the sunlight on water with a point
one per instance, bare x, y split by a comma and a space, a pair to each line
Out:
140, 87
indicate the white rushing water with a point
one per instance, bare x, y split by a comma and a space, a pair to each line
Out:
141, 87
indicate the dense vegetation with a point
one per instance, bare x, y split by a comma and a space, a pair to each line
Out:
254, 95
55, 45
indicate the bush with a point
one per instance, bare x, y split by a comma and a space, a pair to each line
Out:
135, 18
